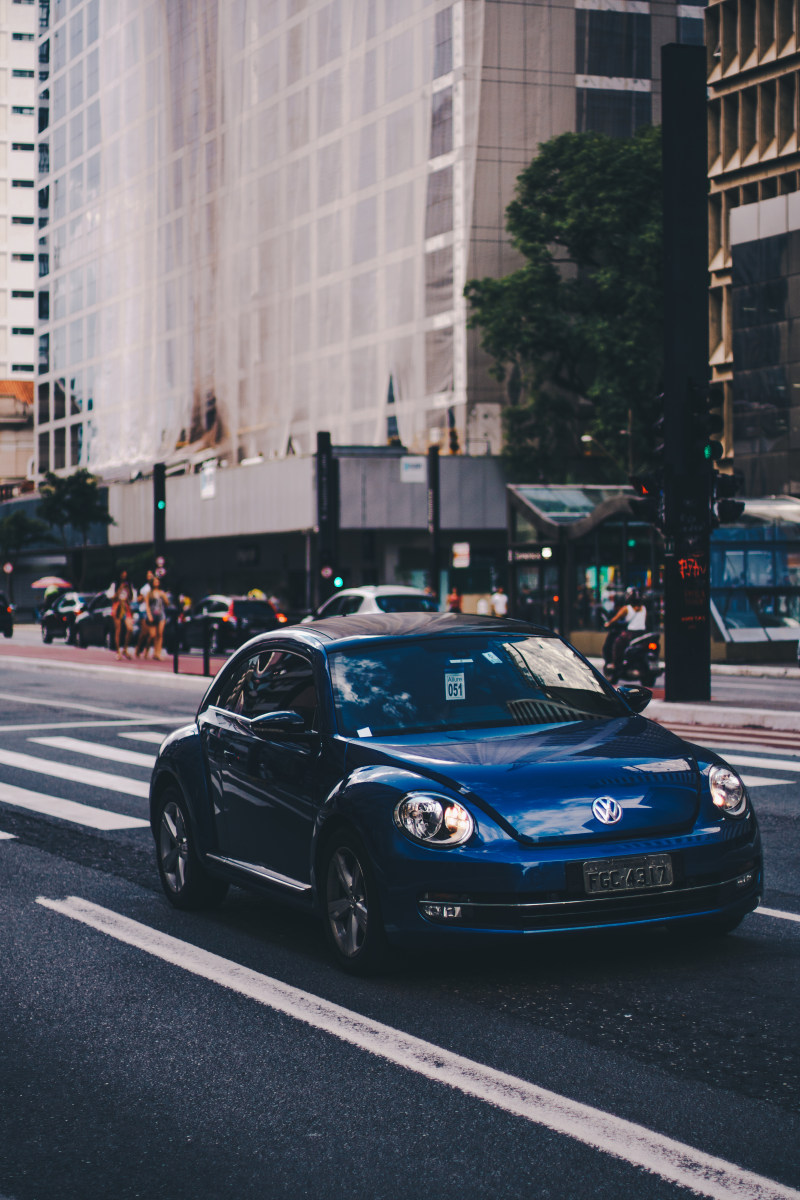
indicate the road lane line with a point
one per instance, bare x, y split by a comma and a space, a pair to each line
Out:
118, 722
39, 701
763, 781
146, 735
701, 1173
133, 758
766, 764
776, 912
100, 779
67, 810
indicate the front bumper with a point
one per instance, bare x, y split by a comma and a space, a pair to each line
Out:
448, 899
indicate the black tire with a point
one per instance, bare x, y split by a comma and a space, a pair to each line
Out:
109, 639
350, 906
70, 635
647, 677
47, 636
8, 632
80, 639
186, 882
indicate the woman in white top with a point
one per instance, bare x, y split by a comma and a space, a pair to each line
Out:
634, 617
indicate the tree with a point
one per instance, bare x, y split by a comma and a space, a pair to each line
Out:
18, 530
73, 501
577, 331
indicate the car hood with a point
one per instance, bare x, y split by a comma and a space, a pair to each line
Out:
542, 782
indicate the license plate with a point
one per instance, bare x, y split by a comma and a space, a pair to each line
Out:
606, 875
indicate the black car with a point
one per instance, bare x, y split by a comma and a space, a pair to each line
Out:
59, 619
227, 622
437, 780
94, 626
6, 616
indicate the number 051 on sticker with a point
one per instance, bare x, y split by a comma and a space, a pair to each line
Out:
454, 685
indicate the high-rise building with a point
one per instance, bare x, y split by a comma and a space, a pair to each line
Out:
257, 217
754, 234
18, 91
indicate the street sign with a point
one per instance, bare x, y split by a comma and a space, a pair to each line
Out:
460, 555
8, 568
413, 469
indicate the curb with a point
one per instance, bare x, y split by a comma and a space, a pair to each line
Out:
719, 715
117, 671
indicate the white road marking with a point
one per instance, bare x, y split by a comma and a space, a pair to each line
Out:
101, 779
763, 781
758, 748
6, 836
124, 724
701, 1173
776, 912
766, 764
96, 750
146, 735
92, 708
67, 810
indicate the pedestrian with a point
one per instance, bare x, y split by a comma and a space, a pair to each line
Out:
122, 614
145, 629
156, 605
454, 600
482, 607
499, 602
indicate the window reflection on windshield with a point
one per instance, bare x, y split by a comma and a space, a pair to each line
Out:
475, 682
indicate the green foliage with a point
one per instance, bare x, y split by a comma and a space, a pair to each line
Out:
579, 325
73, 501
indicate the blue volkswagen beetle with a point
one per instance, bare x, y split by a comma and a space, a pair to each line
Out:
428, 779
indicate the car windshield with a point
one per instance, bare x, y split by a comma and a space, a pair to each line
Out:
403, 602
471, 682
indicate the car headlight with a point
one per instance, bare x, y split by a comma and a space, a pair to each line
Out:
433, 820
727, 790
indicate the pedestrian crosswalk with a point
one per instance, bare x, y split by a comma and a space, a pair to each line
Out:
103, 799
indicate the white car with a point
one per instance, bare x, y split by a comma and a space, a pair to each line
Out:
373, 598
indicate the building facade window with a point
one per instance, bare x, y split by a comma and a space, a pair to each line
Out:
615, 44
617, 113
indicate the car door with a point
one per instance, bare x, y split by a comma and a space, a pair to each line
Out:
268, 782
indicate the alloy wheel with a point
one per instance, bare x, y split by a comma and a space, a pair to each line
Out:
347, 902
173, 847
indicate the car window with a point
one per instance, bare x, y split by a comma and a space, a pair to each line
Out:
350, 604
332, 607
271, 681
404, 602
469, 682
254, 610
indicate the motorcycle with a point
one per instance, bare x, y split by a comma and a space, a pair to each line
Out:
639, 661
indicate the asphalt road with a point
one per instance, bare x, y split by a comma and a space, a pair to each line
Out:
150, 1053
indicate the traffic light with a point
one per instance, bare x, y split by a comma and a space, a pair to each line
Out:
724, 509
647, 504
705, 422
159, 508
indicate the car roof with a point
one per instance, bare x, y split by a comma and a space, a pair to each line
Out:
381, 589
382, 625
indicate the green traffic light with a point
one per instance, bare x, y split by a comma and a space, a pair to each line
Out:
161, 504
338, 581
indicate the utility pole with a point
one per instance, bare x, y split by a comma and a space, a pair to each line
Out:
327, 518
159, 510
688, 471
433, 518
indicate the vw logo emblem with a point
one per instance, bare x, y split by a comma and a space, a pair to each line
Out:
607, 809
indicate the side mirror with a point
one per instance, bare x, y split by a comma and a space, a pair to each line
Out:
285, 722
635, 697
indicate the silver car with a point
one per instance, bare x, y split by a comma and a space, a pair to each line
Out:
375, 598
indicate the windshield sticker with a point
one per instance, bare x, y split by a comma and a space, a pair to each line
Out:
455, 661
454, 685
364, 731
491, 657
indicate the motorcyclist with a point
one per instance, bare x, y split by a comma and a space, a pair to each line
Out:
628, 622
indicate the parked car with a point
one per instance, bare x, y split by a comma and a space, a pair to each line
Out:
95, 626
228, 620
59, 619
388, 598
6, 615
443, 780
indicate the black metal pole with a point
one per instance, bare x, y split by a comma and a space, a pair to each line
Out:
687, 650
433, 519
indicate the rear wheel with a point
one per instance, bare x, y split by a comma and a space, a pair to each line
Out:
351, 910
80, 639
186, 882
647, 676
47, 636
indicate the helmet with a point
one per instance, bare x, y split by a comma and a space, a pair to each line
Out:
632, 596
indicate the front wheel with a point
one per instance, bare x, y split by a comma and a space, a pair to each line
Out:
186, 882
350, 907
47, 636
647, 676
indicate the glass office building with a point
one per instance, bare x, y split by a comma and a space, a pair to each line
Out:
256, 218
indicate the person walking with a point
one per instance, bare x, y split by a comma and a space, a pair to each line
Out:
122, 614
156, 605
145, 629
454, 601
499, 602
